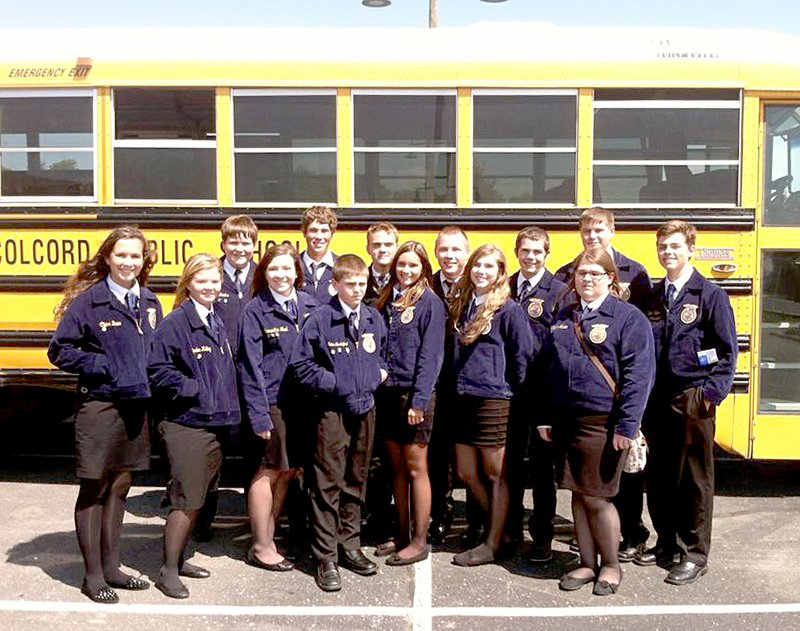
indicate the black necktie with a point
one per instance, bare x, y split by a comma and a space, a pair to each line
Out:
524, 290
670, 295
132, 300
237, 279
213, 326
291, 309
351, 324
382, 280
446, 287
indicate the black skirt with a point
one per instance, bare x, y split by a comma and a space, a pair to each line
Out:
391, 413
111, 436
195, 458
480, 422
588, 463
281, 452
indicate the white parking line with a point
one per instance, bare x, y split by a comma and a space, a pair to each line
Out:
421, 614
421, 618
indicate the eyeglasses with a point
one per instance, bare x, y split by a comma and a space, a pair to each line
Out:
593, 275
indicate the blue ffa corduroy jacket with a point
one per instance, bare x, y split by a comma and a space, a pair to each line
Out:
701, 319
620, 336
633, 280
229, 306
321, 289
415, 346
191, 373
99, 339
494, 366
540, 305
265, 344
343, 371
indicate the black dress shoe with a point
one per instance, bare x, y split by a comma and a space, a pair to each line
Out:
189, 570
356, 561
685, 573
628, 551
568, 583
327, 577
540, 553
104, 595
655, 556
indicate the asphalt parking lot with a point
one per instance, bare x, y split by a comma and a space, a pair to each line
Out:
752, 582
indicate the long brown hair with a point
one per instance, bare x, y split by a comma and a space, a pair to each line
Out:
414, 293
260, 282
498, 295
604, 260
96, 268
197, 263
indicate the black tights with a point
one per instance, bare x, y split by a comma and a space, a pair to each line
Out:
99, 510
597, 530
176, 536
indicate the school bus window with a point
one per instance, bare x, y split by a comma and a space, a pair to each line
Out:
405, 147
666, 150
782, 168
285, 146
524, 147
46, 145
780, 332
164, 144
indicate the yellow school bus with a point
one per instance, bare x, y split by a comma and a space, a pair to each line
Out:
492, 127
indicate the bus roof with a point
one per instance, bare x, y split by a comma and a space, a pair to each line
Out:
486, 42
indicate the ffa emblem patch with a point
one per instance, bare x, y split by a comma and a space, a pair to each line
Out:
368, 342
625, 291
689, 313
407, 315
152, 318
598, 333
535, 307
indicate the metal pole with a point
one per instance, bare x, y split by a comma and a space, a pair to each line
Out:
433, 13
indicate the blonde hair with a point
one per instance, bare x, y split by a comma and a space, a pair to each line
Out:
239, 225
197, 263
604, 260
96, 268
414, 293
497, 297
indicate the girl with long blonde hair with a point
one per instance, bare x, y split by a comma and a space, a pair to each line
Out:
492, 352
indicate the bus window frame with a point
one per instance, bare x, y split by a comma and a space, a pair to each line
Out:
766, 103
662, 103
156, 143
281, 150
449, 150
480, 92
59, 200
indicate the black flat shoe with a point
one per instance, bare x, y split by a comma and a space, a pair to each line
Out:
177, 590
356, 561
133, 583
104, 595
327, 577
189, 570
398, 561
281, 566
569, 583
606, 588
480, 555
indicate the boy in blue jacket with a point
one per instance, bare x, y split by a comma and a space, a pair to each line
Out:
338, 356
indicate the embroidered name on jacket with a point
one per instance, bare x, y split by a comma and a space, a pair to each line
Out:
105, 325
199, 350
276, 331
339, 347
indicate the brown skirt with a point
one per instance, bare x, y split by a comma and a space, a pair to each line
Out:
195, 458
588, 463
281, 452
111, 437
480, 422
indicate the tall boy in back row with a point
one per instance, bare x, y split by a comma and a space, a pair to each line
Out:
339, 358
695, 340
318, 225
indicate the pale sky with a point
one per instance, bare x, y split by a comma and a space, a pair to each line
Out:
777, 15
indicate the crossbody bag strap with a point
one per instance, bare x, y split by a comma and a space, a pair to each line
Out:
595, 360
